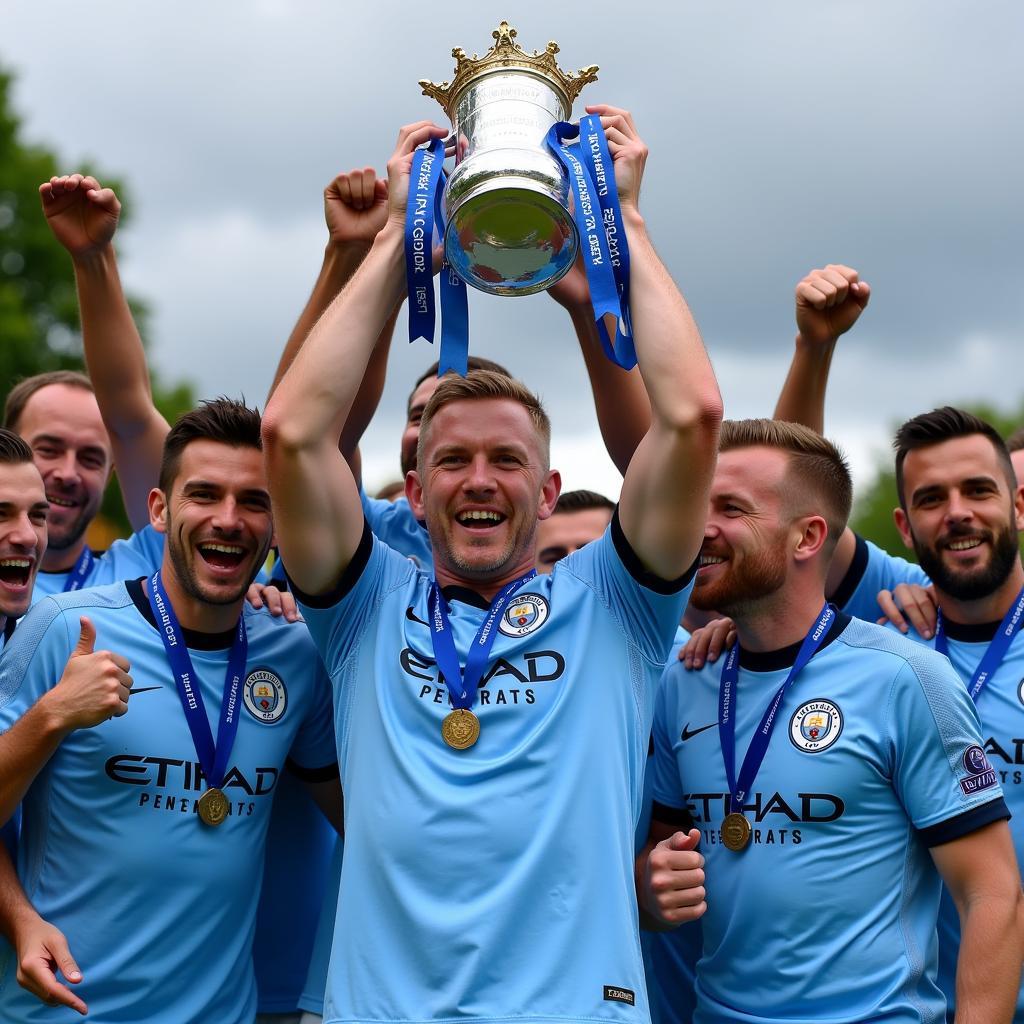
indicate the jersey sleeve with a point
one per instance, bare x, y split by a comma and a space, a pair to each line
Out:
871, 571
128, 559
939, 768
34, 659
648, 608
313, 746
394, 524
669, 800
338, 619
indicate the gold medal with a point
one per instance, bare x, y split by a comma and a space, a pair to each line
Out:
736, 832
460, 729
213, 807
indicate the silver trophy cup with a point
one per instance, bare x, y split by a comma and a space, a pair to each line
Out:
509, 230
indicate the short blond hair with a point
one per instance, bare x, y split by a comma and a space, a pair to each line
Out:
817, 471
481, 384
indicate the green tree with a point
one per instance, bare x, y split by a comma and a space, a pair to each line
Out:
39, 326
872, 511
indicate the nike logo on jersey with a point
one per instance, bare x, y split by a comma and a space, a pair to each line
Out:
413, 617
142, 689
688, 734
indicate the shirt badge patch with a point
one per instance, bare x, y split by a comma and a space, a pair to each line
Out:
981, 774
265, 696
526, 614
816, 725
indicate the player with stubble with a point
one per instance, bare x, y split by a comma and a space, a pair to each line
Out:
462, 818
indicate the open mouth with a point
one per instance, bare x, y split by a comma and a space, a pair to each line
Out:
965, 544
61, 502
15, 572
480, 519
706, 561
222, 556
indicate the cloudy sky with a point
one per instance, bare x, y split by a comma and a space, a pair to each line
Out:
885, 134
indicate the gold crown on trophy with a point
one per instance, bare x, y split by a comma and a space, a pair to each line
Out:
507, 53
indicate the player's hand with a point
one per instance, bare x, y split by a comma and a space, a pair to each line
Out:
628, 151
410, 137
42, 953
910, 601
828, 303
707, 643
673, 882
94, 686
277, 602
356, 207
82, 216
573, 290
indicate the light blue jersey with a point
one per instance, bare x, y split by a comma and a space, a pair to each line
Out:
494, 882
139, 555
312, 998
872, 570
1001, 709
830, 913
158, 908
394, 524
670, 958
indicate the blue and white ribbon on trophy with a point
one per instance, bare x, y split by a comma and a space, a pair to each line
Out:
583, 151
423, 212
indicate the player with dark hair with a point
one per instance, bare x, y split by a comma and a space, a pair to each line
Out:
555, 770
579, 517
157, 819
826, 760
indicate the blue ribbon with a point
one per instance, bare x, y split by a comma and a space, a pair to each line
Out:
463, 685
454, 354
761, 738
78, 575
424, 179
598, 217
213, 760
997, 649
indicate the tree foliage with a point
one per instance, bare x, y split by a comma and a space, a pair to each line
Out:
39, 325
872, 513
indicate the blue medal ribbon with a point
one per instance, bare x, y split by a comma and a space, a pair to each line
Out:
599, 223
997, 649
759, 742
454, 354
213, 760
463, 685
424, 179
80, 573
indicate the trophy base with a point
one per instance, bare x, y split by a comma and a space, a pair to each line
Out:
510, 237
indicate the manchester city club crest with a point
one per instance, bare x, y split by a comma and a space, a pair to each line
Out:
526, 614
265, 696
816, 725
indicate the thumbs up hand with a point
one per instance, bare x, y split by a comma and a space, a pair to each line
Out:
94, 686
671, 879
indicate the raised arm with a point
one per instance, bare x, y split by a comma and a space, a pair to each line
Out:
83, 217
620, 399
355, 208
665, 493
317, 511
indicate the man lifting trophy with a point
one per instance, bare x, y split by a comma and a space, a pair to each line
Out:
528, 193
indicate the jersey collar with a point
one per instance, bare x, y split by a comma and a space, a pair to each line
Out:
194, 639
784, 657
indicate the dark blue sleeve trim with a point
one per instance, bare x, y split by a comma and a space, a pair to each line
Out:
636, 568
324, 774
850, 582
348, 579
964, 824
671, 815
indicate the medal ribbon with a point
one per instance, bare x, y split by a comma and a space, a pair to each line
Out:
598, 219
761, 738
213, 760
463, 685
78, 575
997, 649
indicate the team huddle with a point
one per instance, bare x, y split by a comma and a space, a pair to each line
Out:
487, 751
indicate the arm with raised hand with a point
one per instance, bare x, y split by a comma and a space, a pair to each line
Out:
665, 492
620, 399
317, 510
83, 217
355, 208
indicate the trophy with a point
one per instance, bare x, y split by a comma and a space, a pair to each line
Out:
508, 227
